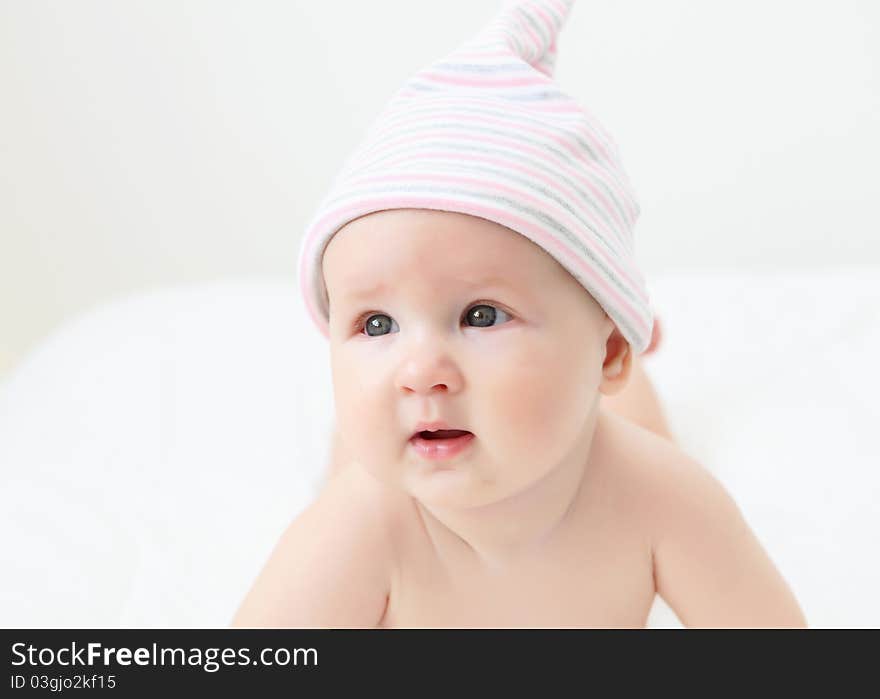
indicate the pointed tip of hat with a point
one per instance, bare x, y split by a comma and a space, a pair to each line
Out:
528, 29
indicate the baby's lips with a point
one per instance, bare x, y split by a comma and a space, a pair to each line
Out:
442, 434
434, 426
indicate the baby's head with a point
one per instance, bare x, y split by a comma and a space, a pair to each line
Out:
438, 315
495, 216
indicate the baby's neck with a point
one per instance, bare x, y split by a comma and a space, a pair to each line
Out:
496, 536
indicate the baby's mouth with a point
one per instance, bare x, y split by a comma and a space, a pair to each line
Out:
441, 434
440, 445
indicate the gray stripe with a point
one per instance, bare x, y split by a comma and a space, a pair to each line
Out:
540, 30
552, 12
514, 37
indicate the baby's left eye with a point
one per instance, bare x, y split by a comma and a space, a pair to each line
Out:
484, 314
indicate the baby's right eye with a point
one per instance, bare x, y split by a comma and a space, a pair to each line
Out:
376, 321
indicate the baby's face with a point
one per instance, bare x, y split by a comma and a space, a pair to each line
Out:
472, 324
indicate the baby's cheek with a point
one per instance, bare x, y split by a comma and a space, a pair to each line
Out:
519, 391
362, 418
538, 401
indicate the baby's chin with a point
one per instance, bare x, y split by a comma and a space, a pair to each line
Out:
448, 485
456, 486
461, 482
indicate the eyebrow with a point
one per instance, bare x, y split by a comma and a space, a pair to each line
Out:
495, 281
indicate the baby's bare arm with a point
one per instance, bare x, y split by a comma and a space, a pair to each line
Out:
331, 567
708, 564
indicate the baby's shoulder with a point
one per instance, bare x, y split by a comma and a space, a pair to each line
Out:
644, 468
367, 500
701, 544
342, 535
669, 492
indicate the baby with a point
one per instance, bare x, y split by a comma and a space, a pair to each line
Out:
500, 458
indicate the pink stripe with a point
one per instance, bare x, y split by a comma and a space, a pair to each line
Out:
308, 269
612, 235
542, 155
450, 79
305, 291
516, 194
500, 215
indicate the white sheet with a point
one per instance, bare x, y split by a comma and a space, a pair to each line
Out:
153, 449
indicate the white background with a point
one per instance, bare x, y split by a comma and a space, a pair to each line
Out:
148, 142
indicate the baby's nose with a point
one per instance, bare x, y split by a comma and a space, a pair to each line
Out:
430, 380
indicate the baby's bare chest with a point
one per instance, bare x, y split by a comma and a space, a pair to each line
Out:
605, 581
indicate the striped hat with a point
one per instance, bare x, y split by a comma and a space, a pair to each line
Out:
486, 131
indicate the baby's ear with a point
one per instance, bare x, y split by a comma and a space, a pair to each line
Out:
617, 365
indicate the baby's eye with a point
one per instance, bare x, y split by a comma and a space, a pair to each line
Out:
377, 322
483, 314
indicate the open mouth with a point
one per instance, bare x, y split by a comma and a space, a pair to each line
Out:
441, 434
441, 444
